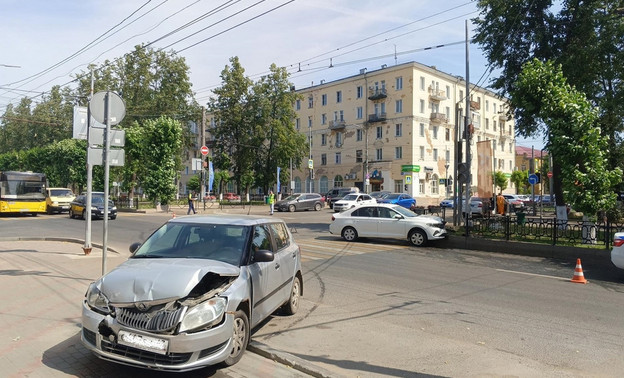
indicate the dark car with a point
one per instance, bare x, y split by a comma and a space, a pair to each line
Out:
401, 199
301, 201
77, 208
336, 194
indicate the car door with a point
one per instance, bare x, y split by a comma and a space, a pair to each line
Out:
388, 226
364, 219
265, 276
287, 255
307, 201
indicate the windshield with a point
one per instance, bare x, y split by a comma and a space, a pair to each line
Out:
226, 243
61, 193
403, 211
350, 197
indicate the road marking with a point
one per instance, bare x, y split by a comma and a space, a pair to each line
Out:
315, 249
533, 274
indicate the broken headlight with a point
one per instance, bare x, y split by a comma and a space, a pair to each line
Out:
204, 315
96, 300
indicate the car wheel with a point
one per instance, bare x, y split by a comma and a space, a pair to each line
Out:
113, 217
49, 210
84, 215
291, 307
240, 338
292, 208
317, 207
418, 238
349, 234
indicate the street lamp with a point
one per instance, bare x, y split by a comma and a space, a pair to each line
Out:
446, 179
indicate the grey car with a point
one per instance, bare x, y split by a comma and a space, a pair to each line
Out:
190, 294
301, 201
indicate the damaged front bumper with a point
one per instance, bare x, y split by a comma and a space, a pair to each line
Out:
112, 341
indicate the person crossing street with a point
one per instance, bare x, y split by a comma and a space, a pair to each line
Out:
271, 201
190, 204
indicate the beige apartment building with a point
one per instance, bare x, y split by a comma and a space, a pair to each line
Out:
395, 129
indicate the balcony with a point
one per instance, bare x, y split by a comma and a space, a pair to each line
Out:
475, 105
337, 124
380, 117
375, 94
502, 116
436, 94
438, 118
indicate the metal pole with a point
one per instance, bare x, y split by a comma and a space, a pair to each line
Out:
87, 246
468, 134
310, 170
106, 177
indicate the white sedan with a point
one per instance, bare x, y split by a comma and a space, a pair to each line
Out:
617, 253
387, 221
352, 200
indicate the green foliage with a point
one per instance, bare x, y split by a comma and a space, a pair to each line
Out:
520, 180
500, 180
579, 149
194, 183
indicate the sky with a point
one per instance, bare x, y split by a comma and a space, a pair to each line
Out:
48, 43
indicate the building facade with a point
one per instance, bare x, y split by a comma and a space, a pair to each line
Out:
395, 129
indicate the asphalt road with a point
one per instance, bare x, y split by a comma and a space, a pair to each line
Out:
373, 308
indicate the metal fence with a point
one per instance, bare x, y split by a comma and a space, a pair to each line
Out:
546, 230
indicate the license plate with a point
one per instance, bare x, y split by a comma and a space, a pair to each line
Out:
143, 342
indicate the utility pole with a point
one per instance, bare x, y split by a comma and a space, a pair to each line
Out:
468, 132
87, 245
202, 134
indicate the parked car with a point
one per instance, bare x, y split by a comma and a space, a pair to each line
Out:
231, 197
617, 252
546, 200
58, 199
379, 194
301, 201
352, 200
387, 221
337, 193
513, 202
401, 199
189, 296
78, 208
448, 202
476, 206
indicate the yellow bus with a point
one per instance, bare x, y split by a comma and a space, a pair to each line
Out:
22, 192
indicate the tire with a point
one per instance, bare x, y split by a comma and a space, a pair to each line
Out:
49, 210
317, 207
417, 238
291, 307
83, 216
292, 208
113, 217
71, 214
349, 234
240, 338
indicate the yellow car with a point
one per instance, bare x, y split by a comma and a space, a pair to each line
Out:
58, 199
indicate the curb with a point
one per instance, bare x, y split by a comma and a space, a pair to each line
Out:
288, 359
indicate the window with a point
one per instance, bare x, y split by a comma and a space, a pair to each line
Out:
461, 95
309, 121
398, 130
323, 119
261, 239
281, 235
323, 139
359, 112
399, 83
338, 97
422, 153
494, 107
435, 154
341, 113
435, 184
310, 102
358, 156
379, 132
448, 92
447, 112
487, 105
338, 158
298, 104
422, 129
447, 134
358, 135
338, 139
422, 106
448, 156
297, 123
379, 154
399, 106
421, 186
494, 125
360, 91
398, 152
422, 83
487, 123
324, 99
323, 159
398, 186
435, 132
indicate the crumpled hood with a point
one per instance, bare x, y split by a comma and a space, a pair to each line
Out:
145, 279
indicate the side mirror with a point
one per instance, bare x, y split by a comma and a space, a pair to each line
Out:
263, 255
134, 246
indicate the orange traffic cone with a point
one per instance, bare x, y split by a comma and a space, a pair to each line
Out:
578, 273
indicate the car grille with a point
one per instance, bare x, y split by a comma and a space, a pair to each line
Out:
159, 321
145, 356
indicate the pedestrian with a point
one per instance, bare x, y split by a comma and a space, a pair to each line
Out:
190, 204
271, 201
500, 204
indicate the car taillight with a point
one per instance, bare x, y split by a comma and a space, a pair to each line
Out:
618, 242
480, 204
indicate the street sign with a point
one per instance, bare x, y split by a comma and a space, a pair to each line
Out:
408, 180
117, 108
549, 174
116, 157
310, 164
410, 168
204, 150
117, 137
533, 179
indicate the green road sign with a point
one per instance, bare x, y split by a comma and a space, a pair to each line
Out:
410, 168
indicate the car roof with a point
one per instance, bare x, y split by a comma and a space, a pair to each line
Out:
226, 219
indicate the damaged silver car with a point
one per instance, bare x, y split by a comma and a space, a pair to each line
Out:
190, 294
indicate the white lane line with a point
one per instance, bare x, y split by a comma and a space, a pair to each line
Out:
533, 274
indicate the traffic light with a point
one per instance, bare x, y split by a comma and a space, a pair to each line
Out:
449, 182
462, 173
539, 177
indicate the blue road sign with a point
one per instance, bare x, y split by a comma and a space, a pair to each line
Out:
533, 179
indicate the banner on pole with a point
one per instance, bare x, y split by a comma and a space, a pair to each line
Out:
210, 176
278, 179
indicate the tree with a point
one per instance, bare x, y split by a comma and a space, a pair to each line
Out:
585, 37
500, 180
194, 183
160, 150
578, 148
520, 180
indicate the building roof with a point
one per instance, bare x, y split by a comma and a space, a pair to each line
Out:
529, 150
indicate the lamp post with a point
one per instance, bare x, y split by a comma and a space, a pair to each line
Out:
446, 180
310, 158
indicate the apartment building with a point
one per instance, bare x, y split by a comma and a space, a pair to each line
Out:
395, 129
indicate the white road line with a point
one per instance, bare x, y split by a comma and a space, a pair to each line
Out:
533, 274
